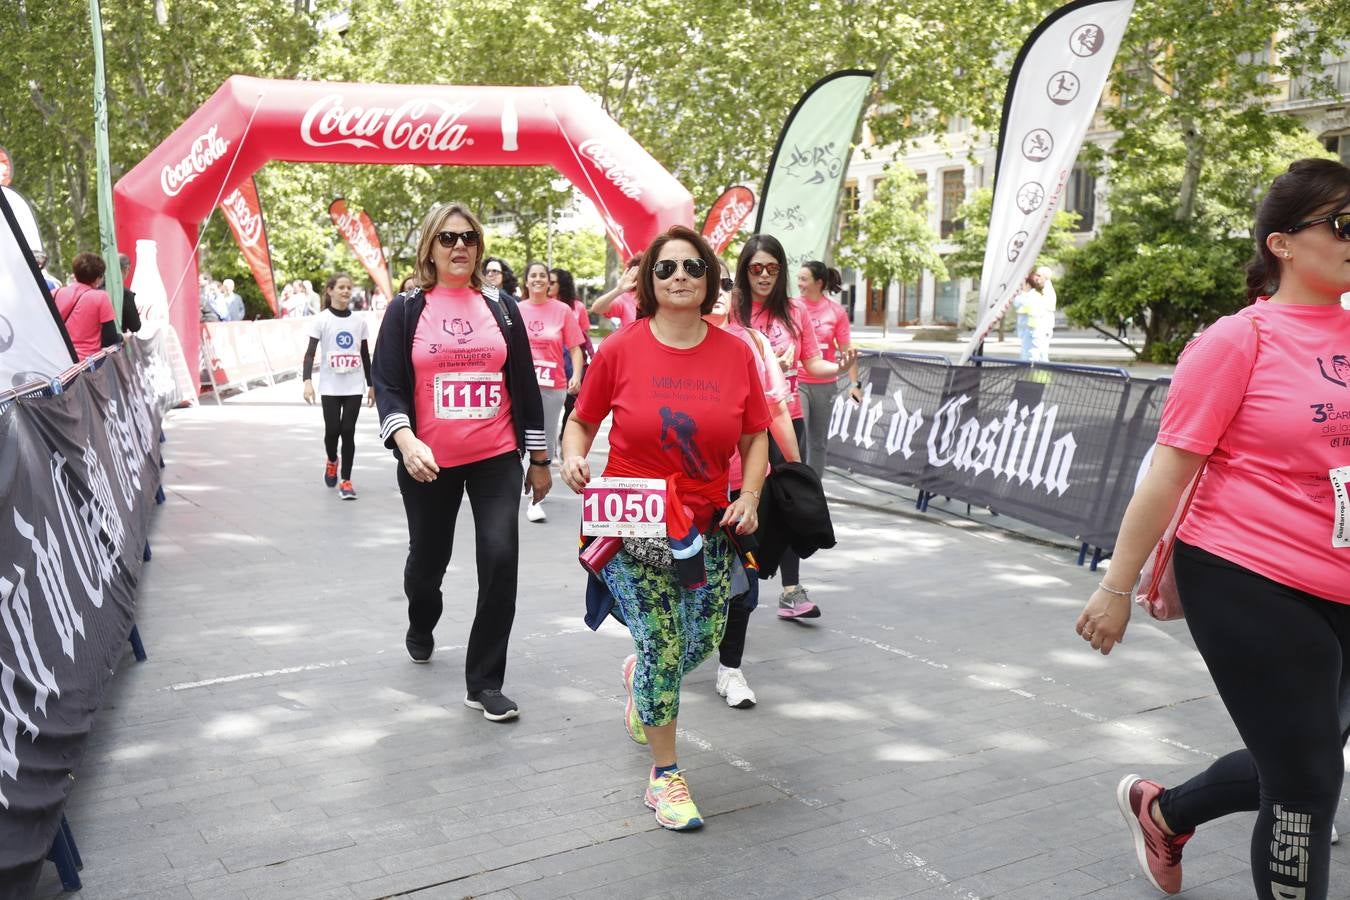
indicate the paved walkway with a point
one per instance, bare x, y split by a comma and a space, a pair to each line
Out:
939, 733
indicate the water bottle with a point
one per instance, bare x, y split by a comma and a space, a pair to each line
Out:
152, 300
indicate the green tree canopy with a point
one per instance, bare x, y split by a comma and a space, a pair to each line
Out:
889, 238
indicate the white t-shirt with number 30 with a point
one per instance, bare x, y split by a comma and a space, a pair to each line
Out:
340, 337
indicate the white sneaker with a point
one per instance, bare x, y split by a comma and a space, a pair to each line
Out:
535, 513
731, 684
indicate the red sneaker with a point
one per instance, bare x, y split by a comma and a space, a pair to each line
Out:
1159, 855
330, 474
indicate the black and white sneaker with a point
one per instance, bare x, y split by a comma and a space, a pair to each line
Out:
419, 646
496, 706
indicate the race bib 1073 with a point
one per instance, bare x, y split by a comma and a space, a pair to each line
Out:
624, 507
468, 395
344, 362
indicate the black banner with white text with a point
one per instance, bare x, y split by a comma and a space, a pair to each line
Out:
1058, 448
79, 472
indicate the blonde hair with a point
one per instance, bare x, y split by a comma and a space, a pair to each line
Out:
424, 275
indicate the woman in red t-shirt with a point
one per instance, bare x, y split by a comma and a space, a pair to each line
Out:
684, 397
555, 343
1259, 411
86, 308
459, 404
761, 288
829, 320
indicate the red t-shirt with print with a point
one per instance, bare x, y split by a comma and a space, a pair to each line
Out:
675, 410
803, 343
552, 327
460, 399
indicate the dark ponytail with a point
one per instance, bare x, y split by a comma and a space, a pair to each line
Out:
1295, 195
834, 282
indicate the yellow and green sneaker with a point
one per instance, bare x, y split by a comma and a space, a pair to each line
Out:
668, 795
631, 720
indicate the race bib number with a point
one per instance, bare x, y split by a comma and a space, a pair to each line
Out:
624, 507
344, 362
544, 372
468, 395
1340, 486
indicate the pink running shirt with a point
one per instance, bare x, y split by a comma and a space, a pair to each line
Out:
803, 343
624, 308
830, 322
84, 310
1274, 431
553, 330
459, 396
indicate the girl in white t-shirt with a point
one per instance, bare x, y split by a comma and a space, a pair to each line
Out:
344, 375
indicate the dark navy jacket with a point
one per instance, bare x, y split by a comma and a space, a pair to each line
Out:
392, 369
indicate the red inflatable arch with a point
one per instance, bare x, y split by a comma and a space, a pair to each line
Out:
249, 122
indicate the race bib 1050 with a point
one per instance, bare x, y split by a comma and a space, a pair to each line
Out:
624, 507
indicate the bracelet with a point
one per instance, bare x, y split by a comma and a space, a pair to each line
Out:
754, 494
1102, 584
541, 462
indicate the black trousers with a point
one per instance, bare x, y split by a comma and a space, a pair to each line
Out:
790, 566
494, 489
339, 420
1277, 656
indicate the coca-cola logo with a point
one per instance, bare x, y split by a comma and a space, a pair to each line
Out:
729, 222
350, 226
423, 123
603, 159
247, 224
205, 150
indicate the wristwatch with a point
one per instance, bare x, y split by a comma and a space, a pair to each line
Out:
546, 461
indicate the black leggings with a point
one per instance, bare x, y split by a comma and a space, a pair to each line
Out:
339, 420
789, 567
493, 486
1277, 657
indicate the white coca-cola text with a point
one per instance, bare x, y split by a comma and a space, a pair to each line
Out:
603, 159
423, 123
204, 151
729, 222
247, 224
350, 226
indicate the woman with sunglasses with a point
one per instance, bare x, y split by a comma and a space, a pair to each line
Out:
684, 397
761, 289
829, 320
459, 402
731, 683
563, 288
497, 274
1257, 411
554, 337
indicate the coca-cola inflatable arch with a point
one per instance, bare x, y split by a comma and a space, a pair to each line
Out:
249, 122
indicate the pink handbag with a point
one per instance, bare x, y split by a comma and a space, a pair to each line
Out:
1158, 583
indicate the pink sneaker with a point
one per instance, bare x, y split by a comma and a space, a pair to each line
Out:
1159, 855
793, 604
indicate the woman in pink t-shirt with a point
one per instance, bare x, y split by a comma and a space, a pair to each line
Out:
829, 319
555, 342
87, 309
459, 405
761, 288
1260, 408
563, 288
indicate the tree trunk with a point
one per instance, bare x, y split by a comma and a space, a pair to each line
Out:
1190, 176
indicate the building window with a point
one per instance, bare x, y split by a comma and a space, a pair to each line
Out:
953, 195
1081, 197
1340, 145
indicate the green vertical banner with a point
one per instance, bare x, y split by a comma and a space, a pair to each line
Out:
806, 173
112, 281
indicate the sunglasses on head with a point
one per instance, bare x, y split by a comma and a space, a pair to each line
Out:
728, 285
665, 268
448, 239
758, 269
1340, 225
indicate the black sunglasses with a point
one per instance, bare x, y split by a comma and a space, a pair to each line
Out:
448, 239
728, 284
694, 268
1340, 225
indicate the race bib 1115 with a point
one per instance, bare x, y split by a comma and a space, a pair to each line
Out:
468, 395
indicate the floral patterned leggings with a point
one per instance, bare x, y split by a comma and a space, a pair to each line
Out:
674, 629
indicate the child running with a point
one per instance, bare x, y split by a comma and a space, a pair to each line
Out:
344, 371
